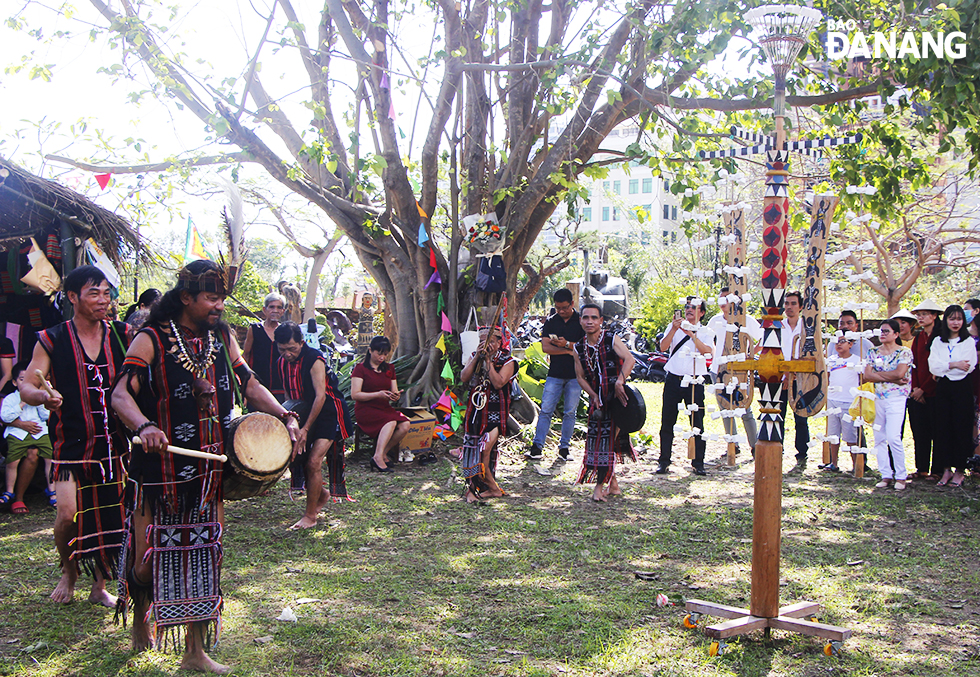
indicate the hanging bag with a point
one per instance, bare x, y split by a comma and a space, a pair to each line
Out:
469, 338
863, 405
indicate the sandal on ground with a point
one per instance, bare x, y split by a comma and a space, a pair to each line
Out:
52, 498
954, 483
18, 508
6, 498
883, 484
899, 485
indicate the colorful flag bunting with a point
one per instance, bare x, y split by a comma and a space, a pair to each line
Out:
434, 278
432, 257
441, 343
423, 236
103, 180
446, 324
447, 372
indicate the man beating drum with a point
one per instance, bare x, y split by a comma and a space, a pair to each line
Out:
178, 384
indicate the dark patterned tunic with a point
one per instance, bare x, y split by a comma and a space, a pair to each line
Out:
265, 361
478, 422
297, 378
87, 442
182, 493
603, 447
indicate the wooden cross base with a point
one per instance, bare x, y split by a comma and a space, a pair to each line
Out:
742, 621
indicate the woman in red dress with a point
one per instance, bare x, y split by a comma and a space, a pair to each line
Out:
373, 387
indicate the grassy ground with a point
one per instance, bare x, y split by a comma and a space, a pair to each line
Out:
411, 581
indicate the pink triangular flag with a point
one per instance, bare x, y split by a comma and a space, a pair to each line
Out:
446, 325
444, 401
103, 180
391, 111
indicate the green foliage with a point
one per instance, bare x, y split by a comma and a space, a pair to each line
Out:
250, 291
658, 303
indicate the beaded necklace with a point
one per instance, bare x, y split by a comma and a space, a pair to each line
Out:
196, 364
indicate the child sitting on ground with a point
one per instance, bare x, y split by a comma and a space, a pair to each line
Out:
844, 371
27, 440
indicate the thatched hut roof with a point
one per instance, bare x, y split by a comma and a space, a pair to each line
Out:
31, 206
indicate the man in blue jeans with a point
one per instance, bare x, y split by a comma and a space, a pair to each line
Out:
559, 334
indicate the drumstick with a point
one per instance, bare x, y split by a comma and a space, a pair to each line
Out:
44, 382
189, 452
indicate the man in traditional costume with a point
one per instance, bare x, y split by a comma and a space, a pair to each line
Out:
179, 382
489, 373
602, 366
324, 422
88, 463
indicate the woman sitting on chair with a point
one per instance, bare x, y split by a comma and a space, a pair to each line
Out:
374, 388
489, 374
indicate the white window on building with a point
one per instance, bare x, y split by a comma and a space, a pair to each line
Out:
673, 213
618, 187
605, 213
615, 213
666, 212
647, 185
634, 186
587, 214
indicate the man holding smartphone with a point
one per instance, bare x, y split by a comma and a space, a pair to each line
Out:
560, 332
689, 344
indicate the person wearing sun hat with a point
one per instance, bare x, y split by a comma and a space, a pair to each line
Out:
921, 402
906, 323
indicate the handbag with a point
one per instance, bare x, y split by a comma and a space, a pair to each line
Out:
469, 339
864, 406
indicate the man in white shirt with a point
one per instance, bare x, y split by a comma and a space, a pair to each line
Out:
718, 324
791, 337
689, 344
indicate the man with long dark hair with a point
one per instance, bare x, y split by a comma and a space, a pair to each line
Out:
88, 464
179, 383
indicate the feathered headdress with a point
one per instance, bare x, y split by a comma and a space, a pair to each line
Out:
234, 221
220, 277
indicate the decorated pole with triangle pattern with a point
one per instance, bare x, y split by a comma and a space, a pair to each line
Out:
785, 29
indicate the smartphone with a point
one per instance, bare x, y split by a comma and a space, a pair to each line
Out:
677, 314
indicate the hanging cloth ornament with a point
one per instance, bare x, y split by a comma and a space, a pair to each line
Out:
103, 180
447, 373
441, 303
423, 236
446, 324
432, 257
441, 344
434, 278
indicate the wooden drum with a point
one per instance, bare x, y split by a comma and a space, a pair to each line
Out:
258, 450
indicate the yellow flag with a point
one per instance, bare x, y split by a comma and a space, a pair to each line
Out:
441, 344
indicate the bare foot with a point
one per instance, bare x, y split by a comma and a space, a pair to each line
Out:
203, 663
471, 497
100, 595
304, 523
65, 589
613, 488
599, 495
324, 500
140, 634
